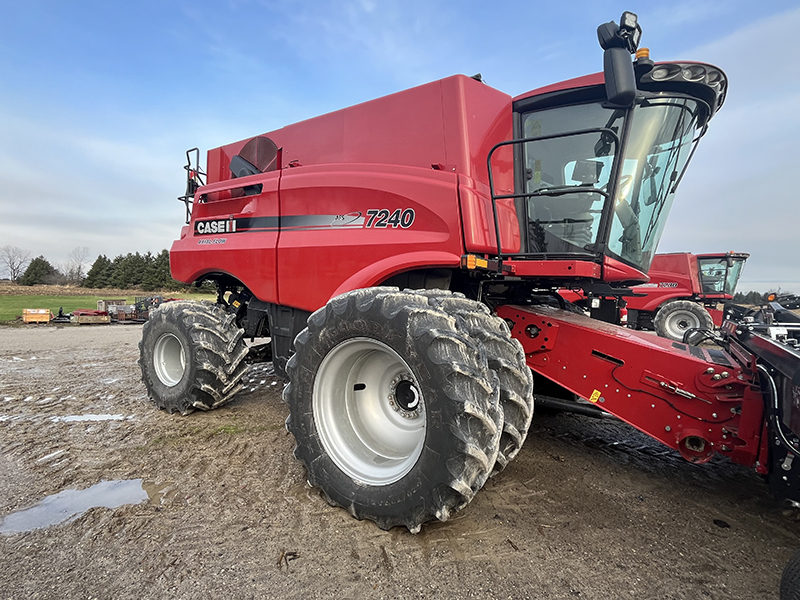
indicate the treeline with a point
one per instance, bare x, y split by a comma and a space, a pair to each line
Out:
751, 297
140, 271
145, 271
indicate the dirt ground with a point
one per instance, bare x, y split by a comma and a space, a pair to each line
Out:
589, 509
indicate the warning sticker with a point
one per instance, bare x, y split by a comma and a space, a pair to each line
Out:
595, 396
533, 128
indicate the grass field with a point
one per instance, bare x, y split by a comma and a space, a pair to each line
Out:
11, 306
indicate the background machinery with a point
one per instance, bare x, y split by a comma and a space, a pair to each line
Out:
684, 291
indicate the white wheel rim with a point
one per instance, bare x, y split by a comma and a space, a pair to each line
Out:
169, 360
679, 321
369, 411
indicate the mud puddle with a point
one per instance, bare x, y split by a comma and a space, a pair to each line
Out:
68, 505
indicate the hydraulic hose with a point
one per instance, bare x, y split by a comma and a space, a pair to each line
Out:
775, 410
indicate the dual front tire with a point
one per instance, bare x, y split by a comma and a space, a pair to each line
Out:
396, 404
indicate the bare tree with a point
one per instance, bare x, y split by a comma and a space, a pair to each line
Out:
74, 269
14, 260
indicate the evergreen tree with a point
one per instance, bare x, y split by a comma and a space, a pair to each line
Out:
145, 271
40, 271
98, 274
157, 276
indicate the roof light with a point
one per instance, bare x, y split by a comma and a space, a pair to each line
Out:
628, 20
626, 35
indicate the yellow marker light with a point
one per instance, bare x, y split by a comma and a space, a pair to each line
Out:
643, 53
470, 261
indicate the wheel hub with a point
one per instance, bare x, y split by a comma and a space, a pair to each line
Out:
404, 397
680, 321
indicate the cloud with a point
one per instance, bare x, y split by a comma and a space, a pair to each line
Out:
738, 193
64, 188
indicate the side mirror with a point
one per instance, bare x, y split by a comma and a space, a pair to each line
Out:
619, 76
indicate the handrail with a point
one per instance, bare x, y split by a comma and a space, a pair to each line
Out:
559, 191
193, 181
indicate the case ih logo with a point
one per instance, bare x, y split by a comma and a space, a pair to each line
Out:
215, 227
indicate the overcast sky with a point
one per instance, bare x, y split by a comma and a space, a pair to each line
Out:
100, 100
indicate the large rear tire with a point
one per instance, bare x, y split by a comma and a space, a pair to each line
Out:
506, 358
191, 356
394, 408
790, 581
674, 318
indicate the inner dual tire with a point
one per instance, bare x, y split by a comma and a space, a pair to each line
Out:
506, 358
394, 406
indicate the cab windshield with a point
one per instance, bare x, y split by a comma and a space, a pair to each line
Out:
583, 193
717, 277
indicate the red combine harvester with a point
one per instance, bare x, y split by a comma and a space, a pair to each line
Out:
684, 292
403, 257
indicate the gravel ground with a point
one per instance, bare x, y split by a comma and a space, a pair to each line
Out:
218, 507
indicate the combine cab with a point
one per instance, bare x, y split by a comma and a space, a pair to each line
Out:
403, 257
